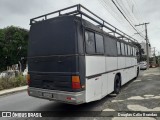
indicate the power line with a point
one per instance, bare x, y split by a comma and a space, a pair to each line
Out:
112, 13
138, 11
131, 14
126, 18
108, 5
129, 10
125, 10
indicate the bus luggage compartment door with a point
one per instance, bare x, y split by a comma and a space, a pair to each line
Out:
93, 89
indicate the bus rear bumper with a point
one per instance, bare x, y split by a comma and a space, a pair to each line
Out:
55, 95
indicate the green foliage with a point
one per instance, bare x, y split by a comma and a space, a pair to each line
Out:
144, 58
141, 51
6, 83
13, 45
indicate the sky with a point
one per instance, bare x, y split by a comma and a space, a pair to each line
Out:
19, 13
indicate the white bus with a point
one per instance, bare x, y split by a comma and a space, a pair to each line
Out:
74, 61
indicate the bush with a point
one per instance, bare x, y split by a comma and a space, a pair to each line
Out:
6, 83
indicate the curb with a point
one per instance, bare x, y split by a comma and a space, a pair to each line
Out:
13, 90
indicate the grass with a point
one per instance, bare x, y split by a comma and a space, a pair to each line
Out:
7, 83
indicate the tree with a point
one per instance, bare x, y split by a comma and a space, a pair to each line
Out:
13, 46
141, 51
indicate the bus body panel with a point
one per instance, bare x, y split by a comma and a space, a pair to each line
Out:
128, 61
105, 81
56, 95
105, 85
111, 63
121, 62
44, 35
60, 53
121, 65
53, 54
111, 76
95, 66
111, 67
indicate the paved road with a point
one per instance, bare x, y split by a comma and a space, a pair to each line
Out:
140, 94
22, 102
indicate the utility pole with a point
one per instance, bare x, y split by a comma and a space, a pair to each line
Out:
154, 55
159, 58
147, 42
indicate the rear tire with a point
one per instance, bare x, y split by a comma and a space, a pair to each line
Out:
117, 84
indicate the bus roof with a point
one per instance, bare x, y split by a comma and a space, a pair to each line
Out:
81, 11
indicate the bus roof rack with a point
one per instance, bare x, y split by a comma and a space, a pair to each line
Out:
79, 10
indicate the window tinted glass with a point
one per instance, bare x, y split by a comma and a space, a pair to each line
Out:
137, 52
126, 49
129, 51
118, 48
90, 42
110, 46
122, 49
133, 51
99, 43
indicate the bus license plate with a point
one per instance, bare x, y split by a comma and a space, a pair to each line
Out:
47, 95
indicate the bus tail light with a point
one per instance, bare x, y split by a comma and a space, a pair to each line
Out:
76, 82
28, 79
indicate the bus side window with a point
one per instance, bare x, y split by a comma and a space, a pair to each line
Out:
110, 46
99, 44
133, 51
90, 42
137, 52
122, 49
129, 51
126, 50
118, 48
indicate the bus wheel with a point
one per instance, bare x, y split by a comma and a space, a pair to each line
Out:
117, 84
